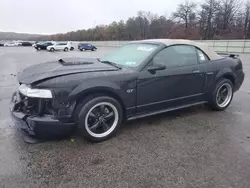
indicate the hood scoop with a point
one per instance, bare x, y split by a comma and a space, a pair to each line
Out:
73, 62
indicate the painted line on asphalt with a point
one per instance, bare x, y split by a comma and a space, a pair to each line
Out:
243, 90
8, 85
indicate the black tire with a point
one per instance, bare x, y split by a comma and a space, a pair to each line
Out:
66, 49
72, 48
52, 49
81, 50
82, 116
213, 100
93, 49
38, 48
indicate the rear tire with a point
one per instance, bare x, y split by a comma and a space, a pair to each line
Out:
222, 95
38, 49
99, 118
52, 49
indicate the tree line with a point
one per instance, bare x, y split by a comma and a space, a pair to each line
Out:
210, 19
17, 36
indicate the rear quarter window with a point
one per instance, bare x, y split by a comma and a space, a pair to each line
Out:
202, 57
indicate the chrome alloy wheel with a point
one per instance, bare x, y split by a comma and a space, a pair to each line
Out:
101, 119
224, 95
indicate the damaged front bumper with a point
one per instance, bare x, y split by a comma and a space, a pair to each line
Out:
41, 127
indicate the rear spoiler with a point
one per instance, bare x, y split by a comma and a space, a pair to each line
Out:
228, 55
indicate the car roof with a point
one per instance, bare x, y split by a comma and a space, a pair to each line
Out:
170, 42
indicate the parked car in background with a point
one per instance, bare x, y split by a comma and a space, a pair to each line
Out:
86, 46
34, 44
11, 44
1, 44
19, 43
140, 79
26, 43
65, 46
42, 45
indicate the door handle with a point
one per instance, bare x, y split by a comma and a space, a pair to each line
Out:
196, 71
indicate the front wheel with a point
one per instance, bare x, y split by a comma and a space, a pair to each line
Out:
99, 118
222, 95
52, 49
66, 49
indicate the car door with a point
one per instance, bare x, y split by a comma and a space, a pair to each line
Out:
181, 83
89, 47
60, 46
83, 46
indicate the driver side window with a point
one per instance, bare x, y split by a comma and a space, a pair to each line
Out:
175, 56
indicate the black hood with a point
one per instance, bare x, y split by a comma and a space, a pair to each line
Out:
44, 71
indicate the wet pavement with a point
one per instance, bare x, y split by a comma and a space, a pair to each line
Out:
189, 148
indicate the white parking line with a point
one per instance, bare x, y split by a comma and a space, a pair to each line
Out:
243, 90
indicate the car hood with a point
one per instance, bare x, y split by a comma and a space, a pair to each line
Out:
44, 71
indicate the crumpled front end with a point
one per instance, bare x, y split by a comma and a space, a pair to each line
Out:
40, 117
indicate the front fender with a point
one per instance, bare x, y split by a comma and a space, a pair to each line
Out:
98, 85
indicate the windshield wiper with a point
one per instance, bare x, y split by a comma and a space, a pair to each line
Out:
111, 63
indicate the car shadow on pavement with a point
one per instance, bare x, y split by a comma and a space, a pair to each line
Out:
154, 120
167, 116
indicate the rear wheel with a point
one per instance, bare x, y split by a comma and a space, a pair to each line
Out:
222, 95
52, 49
38, 48
99, 118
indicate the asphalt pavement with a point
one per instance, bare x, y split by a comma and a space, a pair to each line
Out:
191, 148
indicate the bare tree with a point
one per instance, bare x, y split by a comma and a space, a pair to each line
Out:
185, 12
247, 19
207, 14
227, 12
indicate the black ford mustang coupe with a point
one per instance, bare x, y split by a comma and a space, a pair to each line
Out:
140, 79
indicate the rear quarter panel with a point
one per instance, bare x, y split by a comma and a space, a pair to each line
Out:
219, 68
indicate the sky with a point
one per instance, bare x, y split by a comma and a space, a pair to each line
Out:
60, 16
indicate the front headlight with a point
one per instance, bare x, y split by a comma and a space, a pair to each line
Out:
36, 93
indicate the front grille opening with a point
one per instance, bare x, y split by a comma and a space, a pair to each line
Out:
34, 106
71, 62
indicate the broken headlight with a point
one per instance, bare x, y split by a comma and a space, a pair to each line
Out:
36, 93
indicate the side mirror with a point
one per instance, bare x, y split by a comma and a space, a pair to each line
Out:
156, 67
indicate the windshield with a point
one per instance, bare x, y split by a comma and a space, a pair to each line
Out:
131, 55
